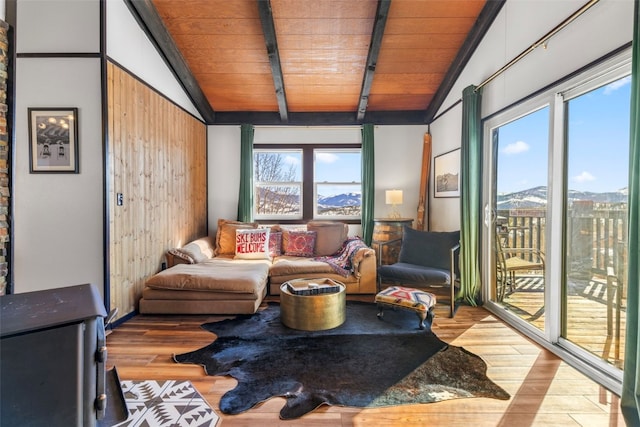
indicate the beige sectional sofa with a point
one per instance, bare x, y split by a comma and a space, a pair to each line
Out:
218, 276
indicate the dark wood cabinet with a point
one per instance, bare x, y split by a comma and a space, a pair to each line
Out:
52, 347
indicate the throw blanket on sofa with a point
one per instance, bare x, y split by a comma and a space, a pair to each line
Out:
342, 261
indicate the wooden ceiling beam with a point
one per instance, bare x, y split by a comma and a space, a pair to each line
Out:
372, 58
147, 16
410, 117
271, 41
483, 23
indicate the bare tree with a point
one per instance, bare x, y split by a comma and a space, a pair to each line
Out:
275, 197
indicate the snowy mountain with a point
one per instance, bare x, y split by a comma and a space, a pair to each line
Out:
537, 197
340, 200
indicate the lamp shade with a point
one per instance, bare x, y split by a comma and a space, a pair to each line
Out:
393, 197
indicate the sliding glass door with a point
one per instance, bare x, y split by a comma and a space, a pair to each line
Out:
519, 210
595, 218
556, 231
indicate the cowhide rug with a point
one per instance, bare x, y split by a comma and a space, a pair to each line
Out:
366, 362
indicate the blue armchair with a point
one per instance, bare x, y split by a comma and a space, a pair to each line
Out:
427, 258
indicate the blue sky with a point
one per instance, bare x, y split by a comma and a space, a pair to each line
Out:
598, 144
332, 166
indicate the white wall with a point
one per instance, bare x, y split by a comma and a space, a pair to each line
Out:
605, 27
398, 163
130, 47
58, 218
444, 213
46, 26
223, 168
398, 157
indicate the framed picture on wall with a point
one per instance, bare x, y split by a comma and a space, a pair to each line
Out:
53, 140
446, 172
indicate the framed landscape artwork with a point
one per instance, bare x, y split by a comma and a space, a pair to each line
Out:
53, 140
446, 171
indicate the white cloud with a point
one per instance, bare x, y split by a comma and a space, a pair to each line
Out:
612, 87
516, 148
292, 160
326, 157
584, 177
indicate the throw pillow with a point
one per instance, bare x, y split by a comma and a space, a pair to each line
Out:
275, 243
198, 250
330, 236
226, 235
300, 243
252, 244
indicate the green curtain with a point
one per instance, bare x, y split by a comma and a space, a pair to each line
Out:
630, 402
470, 195
368, 183
245, 196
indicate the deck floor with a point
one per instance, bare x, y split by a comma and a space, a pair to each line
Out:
593, 318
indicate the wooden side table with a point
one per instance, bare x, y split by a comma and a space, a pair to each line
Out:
387, 238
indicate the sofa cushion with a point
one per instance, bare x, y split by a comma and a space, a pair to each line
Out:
300, 243
226, 235
199, 250
285, 266
252, 244
330, 236
221, 275
428, 248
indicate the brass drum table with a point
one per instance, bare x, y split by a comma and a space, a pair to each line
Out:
310, 311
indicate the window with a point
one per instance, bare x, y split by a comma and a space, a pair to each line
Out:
337, 189
278, 184
300, 183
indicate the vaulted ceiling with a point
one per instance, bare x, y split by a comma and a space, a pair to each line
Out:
316, 62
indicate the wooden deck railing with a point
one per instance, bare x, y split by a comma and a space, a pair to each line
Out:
595, 235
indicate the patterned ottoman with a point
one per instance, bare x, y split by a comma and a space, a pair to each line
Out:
420, 302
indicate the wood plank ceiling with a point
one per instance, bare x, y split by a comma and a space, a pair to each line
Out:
316, 61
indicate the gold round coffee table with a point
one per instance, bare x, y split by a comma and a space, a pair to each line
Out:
305, 306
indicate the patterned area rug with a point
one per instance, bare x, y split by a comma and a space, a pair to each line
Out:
165, 404
363, 363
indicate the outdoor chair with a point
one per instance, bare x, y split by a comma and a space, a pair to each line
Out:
510, 261
426, 259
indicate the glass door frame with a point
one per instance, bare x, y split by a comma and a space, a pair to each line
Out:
490, 125
554, 97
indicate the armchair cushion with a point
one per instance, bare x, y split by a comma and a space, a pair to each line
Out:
412, 273
428, 248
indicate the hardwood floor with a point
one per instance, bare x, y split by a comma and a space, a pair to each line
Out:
545, 391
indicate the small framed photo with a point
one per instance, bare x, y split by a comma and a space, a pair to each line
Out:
53, 140
446, 171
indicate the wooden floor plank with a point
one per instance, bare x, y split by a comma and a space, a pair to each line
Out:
545, 391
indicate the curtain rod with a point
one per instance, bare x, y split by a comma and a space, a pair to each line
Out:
540, 41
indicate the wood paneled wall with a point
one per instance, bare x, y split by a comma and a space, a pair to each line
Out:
157, 161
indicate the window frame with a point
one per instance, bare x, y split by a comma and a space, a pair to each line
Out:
298, 184
308, 181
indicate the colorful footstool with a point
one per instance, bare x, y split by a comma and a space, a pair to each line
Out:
420, 302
